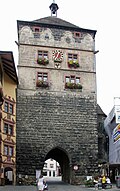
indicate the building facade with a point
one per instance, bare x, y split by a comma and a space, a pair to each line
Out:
8, 85
56, 98
51, 168
103, 143
112, 128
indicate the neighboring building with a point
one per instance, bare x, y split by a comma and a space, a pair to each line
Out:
8, 85
51, 168
103, 143
56, 98
112, 129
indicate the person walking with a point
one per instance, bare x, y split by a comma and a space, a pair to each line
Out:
41, 183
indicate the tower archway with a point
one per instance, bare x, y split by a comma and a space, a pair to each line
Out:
62, 158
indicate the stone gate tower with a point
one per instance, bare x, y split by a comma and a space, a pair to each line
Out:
56, 98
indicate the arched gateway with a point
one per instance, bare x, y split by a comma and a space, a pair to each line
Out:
62, 158
56, 98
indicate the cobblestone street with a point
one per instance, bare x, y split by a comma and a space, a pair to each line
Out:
53, 186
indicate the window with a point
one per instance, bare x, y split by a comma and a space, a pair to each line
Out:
43, 76
73, 60
8, 107
5, 150
43, 54
72, 82
42, 57
77, 34
37, 29
36, 32
11, 151
51, 165
67, 79
11, 109
72, 57
8, 150
42, 80
8, 129
72, 79
77, 80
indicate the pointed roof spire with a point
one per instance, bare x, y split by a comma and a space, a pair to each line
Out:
54, 7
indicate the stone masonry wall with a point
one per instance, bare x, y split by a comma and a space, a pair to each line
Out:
45, 121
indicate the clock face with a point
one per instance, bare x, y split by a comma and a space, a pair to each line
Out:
58, 55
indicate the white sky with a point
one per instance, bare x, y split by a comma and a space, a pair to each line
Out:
100, 15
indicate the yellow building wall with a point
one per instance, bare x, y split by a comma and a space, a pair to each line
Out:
9, 87
9, 91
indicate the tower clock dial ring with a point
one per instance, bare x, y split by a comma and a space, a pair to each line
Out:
58, 55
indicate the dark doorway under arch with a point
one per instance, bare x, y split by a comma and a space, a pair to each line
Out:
61, 157
8, 174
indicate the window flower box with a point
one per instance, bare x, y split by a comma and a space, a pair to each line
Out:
70, 85
42, 61
73, 63
41, 83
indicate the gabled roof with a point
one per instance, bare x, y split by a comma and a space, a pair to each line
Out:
55, 22
9, 65
100, 111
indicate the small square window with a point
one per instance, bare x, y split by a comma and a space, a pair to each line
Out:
77, 80
77, 34
74, 56
43, 54
5, 150
10, 151
8, 129
11, 109
70, 56
72, 79
51, 165
37, 29
67, 79
8, 107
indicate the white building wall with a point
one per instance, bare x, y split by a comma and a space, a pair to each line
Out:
51, 166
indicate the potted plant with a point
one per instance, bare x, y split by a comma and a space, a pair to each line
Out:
41, 83
73, 85
79, 86
42, 61
73, 63
70, 85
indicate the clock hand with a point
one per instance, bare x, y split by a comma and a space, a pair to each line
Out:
58, 55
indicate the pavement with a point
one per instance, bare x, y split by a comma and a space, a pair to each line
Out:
55, 185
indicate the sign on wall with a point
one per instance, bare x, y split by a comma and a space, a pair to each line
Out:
116, 133
117, 109
117, 114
